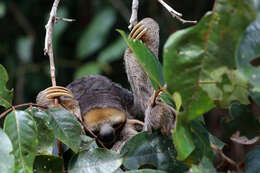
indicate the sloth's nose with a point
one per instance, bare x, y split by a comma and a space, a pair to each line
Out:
106, 134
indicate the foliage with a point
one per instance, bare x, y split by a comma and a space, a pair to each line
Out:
212, 65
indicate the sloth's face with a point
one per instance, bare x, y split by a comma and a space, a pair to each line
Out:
106, 123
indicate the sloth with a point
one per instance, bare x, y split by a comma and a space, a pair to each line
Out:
111, 112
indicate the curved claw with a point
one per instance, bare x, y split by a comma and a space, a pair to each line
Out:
58, 91
137, 32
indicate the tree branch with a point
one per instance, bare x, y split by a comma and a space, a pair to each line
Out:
20, 106
133, 18
48, 49
175, 14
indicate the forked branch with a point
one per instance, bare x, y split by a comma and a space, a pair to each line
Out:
48, 48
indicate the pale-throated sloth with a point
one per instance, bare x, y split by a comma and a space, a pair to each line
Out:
106, 108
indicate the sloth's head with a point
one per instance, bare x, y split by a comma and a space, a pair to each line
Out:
106, 123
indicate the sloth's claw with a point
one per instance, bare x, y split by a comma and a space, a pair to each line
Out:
58, 91
137, 32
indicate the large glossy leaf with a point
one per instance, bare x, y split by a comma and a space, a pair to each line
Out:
65, 127
6, 157
45, 135
152, 150
22, 131
6, 95
205, 166
243, 121
248, 55
47, 164
96, 33
253, 161
95, 161
191, 55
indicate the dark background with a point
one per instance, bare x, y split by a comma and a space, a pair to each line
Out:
28, 68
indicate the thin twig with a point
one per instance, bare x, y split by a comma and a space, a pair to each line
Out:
170, 9
96, 138
174, 13
20, 106
219, 151
48, 49
65, 19
133, 18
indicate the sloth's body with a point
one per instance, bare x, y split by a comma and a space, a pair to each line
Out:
106, 108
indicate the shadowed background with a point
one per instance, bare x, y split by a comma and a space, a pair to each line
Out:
90, 45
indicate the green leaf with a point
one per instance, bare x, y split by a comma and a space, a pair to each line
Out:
182, 138
147, 60
45, 135
201, 140
6, 157
113, 52
205, 166
230, 86
22, 131
6, 95
253, 161
146, 171
87, 69
95, 161
192, 54
248, 55
152, 150
47, 163
96, 33
191, 141
177, 100
243, 121
88, 143
65, 127
24, 48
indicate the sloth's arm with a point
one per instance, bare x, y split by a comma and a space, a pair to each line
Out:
147, 30
147, 103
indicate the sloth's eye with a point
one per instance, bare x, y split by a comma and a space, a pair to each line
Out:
117, 125
138, 127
